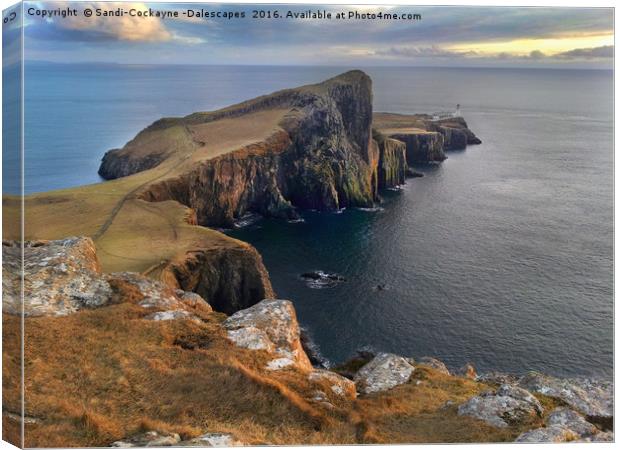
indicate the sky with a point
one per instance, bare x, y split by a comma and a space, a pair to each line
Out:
445, 36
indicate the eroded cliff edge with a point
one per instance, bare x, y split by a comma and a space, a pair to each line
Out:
321, 153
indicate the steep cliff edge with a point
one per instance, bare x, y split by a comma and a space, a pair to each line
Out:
318, 156
426, 140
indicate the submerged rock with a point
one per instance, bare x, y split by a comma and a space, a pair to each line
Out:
385, 371
317, 279
593, 398
506, 406
269, 325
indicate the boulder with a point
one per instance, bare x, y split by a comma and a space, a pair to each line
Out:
339, 385
506, 406
435, 364
497, 378
553, 433
212, 440
150, 294
567, 418
270, 325
60, 277
593, 398
149, 439
603, 436
385, 371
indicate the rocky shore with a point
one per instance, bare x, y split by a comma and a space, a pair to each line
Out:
147, 328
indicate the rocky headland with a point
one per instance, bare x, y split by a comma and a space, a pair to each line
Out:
146, 328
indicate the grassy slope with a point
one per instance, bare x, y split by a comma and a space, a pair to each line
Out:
97, 376
132, 234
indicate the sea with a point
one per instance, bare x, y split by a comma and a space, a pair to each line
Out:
502, 255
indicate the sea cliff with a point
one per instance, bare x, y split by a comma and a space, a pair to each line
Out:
321, 154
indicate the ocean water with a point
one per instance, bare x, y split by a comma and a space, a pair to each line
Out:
501, 255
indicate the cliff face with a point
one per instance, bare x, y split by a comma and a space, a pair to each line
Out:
392, 164
320, 157
422, 147
228, 279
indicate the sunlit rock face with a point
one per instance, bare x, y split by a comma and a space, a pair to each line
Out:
508, 405
60, 277
385, 371
270, 325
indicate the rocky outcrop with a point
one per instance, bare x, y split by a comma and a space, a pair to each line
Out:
467, 371
385, 371
436, 364
392, 166
593, 398
163, 439
422, 146
551, 434
506, 406
338, 384
562, 425
272, 326
229, 279
457, 133
60, 277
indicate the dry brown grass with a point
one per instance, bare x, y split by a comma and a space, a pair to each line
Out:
98, 376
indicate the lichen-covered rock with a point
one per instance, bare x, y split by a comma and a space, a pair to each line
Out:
149, 439
154, 294
567, 418
508, 405
603, 436
590, 397
175, 314
270, 325
338, 384
60, 277
497, 378
212, 440
435, 364
385, 371
554, 433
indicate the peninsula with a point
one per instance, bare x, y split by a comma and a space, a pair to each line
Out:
146, 326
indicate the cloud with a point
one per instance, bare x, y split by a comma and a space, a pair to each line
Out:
81, 28
424, 52
604, 52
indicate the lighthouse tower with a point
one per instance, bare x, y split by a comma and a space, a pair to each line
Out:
457, 113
